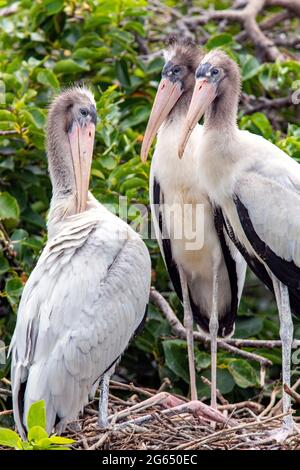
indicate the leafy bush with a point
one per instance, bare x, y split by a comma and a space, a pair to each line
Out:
47, 45
37, 438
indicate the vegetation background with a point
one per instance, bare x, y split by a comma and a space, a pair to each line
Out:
114, 46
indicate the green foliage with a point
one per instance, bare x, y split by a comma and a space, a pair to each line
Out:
37, 438
48, 45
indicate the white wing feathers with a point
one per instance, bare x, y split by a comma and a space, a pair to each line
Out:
80, 307
274, 180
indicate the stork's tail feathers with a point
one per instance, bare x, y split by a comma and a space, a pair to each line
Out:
18, 391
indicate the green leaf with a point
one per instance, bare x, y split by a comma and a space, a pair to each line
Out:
97, 173
225, 382
243, 373
4, 265
43, 443
9, 438
247, 327
47, 77
176, 357
218, 40
133, 183
6, 116
202, 359
61, 440
122, 73
34, 116
70, 66
13, 288
250, 67
36, 433
9, 208
53, 6
259, 124
37, 415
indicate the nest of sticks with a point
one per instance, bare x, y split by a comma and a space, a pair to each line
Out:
247, 425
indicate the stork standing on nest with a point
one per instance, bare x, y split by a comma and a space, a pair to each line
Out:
89, 291
257, 187
206, 270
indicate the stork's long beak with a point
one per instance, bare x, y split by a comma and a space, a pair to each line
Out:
167, 94
203, 95
82, 143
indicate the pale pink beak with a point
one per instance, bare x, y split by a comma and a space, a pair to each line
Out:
82, 143
203, 96
167, 95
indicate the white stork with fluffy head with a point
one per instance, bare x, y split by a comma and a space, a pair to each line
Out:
257, 187
89, 291
208, 274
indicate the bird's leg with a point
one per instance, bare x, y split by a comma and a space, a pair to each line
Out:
286, 336
188, 324
103, 401
213, 331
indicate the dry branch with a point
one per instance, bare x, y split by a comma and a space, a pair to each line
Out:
265, 104
13, 131
292, 393
247, 17
179, 330
278, 407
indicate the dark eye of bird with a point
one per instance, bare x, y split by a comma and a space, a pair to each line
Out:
84, 112
215, 72
176, 69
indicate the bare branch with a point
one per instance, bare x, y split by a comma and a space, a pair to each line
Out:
180, 332
292, 393
247, 18
13, 132
265, 103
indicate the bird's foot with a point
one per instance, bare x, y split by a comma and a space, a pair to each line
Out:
167, 400
73, 426
173, 406
288, 428
201, 411
163, 398
102, 422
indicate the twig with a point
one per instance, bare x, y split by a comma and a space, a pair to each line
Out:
99, 442
13, 131
4, 391
266, 411
6, 412
258, 343
276, 409
179, 330
292, 393
131, 388
265, 103
221, 399
239, 406
227, 431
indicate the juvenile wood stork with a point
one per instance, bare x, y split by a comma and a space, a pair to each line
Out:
89, 291
207, 272
257, 187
